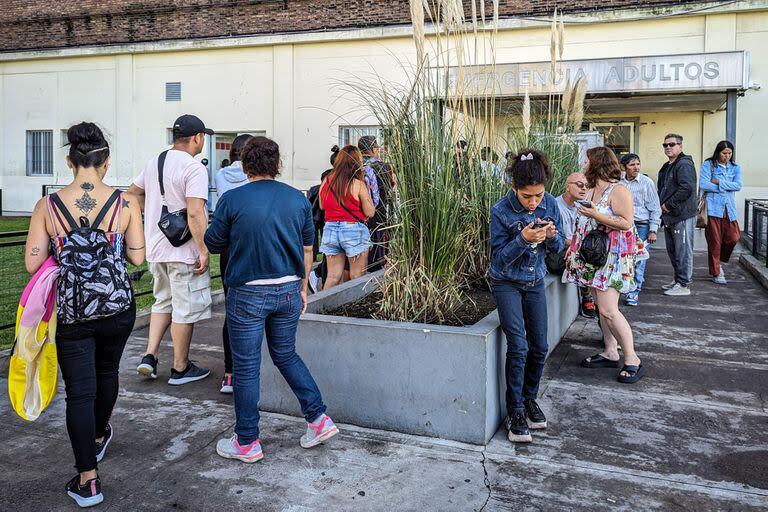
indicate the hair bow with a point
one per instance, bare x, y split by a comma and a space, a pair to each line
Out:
529, 156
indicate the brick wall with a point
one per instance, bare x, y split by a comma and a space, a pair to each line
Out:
35, 24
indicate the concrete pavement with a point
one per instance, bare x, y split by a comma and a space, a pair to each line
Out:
692, 435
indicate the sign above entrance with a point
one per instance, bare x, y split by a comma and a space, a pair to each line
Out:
694, 72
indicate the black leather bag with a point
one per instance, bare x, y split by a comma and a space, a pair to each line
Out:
174, 225
594, 247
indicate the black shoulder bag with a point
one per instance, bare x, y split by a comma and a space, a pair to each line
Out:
174, 225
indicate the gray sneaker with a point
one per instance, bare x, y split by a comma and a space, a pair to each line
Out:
318, 432
668, 285
678, 291
720, 279
190, 374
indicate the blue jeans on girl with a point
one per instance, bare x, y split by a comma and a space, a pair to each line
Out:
252, 310
523, 316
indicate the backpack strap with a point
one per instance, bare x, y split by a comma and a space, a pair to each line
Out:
105, 209
60, 207
116, 214
49, 207
160, 165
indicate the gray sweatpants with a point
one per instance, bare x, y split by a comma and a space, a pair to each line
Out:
679, 239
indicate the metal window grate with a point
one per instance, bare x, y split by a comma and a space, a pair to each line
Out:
172, 91
351, 134
40, 152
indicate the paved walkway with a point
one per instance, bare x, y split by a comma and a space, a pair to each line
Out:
693, 435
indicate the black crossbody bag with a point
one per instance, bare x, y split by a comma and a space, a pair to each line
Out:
174, 225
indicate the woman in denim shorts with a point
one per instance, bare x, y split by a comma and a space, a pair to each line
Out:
347, 203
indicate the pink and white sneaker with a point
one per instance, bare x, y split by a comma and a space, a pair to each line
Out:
318, 432
231, 449
226, 385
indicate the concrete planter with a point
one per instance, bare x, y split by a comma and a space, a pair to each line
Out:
414, 378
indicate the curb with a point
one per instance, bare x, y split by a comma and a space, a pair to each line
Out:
756, 268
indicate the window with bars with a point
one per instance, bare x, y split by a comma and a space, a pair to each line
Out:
351, 134
39, 152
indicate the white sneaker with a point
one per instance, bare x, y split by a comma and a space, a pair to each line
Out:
318, 432
231, 449
314, 282
720, 279
678, 290
668, 285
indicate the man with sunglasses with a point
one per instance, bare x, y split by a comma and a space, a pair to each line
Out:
575, 190
677, 195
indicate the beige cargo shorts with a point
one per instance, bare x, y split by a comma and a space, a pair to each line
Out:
178, 291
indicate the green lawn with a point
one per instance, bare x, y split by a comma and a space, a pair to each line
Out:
14, 224
14, 277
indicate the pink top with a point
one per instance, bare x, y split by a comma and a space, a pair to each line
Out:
183, 177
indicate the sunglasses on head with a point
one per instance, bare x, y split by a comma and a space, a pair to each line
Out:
579, 184
669, 144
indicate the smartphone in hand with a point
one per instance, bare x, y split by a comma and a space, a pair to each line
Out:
585, 204
538, 224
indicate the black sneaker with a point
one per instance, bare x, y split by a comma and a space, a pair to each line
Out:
101, 447
517, 428
86, 495
534, 415
190, 374
148, 366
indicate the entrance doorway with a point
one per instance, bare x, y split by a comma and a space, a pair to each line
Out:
619, 136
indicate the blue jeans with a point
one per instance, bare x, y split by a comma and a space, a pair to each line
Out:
251, 310
642, 231
523, 316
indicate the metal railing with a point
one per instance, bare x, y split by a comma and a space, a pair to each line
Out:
756, 227
15, 278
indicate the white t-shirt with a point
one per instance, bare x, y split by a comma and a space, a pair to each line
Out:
183, 177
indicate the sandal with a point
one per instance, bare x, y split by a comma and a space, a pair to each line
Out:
635, 372
598, 361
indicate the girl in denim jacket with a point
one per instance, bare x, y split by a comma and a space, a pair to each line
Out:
525, 224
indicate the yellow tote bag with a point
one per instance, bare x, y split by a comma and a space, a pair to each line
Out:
33, 369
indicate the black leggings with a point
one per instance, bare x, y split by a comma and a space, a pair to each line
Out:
223, 260
89, 357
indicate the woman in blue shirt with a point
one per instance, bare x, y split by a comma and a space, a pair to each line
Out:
267, 228
525, 225
719, 179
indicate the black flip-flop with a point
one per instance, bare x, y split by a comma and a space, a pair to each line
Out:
635, 372
598, 361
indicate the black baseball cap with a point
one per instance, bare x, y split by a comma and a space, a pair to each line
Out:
189, 125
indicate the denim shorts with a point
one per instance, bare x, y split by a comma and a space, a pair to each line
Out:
350, 238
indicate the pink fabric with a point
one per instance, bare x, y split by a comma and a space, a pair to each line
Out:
183, 177
39, 296
319, 427
245, 449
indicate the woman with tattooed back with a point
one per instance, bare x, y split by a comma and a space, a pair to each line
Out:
90, 229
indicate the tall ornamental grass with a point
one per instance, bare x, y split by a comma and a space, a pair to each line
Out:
439, 242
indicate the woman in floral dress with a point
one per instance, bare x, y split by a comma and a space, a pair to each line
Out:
611, 207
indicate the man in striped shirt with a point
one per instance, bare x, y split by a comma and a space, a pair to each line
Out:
647, 213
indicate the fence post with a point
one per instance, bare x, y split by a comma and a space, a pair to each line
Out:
746, 216
754, 232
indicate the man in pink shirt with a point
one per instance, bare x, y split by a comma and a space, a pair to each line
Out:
182, 283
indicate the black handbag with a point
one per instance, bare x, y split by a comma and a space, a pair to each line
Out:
174, 225
594, 247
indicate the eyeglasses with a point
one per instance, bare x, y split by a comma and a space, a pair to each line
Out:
579, 184
669, 144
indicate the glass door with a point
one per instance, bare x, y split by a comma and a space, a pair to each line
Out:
619, 136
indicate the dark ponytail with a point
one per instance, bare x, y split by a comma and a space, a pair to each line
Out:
529, 167
334, 153
87, 145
